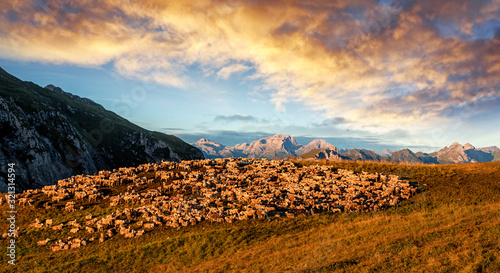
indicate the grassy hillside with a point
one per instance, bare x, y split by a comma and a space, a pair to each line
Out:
452, 225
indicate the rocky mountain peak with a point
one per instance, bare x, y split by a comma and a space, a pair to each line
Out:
385, 152
282, 138
203, 140
469, 146
319, 143
316, 144
455, 145
455, 153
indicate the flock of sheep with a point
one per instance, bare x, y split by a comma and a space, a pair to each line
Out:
218, 190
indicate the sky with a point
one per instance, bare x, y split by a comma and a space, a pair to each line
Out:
360, 74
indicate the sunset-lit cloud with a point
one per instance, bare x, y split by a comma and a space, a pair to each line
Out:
227, 71
380, 66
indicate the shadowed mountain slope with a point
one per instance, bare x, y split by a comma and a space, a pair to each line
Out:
51, 134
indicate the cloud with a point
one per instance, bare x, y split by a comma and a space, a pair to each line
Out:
332, 122
236, 118
172, 129
227, 71
378, 66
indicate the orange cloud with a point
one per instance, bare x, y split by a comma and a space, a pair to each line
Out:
379, 66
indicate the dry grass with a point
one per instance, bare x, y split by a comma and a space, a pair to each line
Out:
452, 225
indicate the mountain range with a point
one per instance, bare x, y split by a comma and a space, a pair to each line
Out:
457, 153
282, 146
51, 134
277, 146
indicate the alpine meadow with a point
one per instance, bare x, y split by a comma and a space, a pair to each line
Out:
250, 136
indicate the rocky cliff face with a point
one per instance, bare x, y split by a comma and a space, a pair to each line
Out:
51, 135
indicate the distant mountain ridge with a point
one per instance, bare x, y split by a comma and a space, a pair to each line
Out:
51, 134
281, 146
277, 146
490, 149
405, 155
362, 154
456, 153
385, 152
